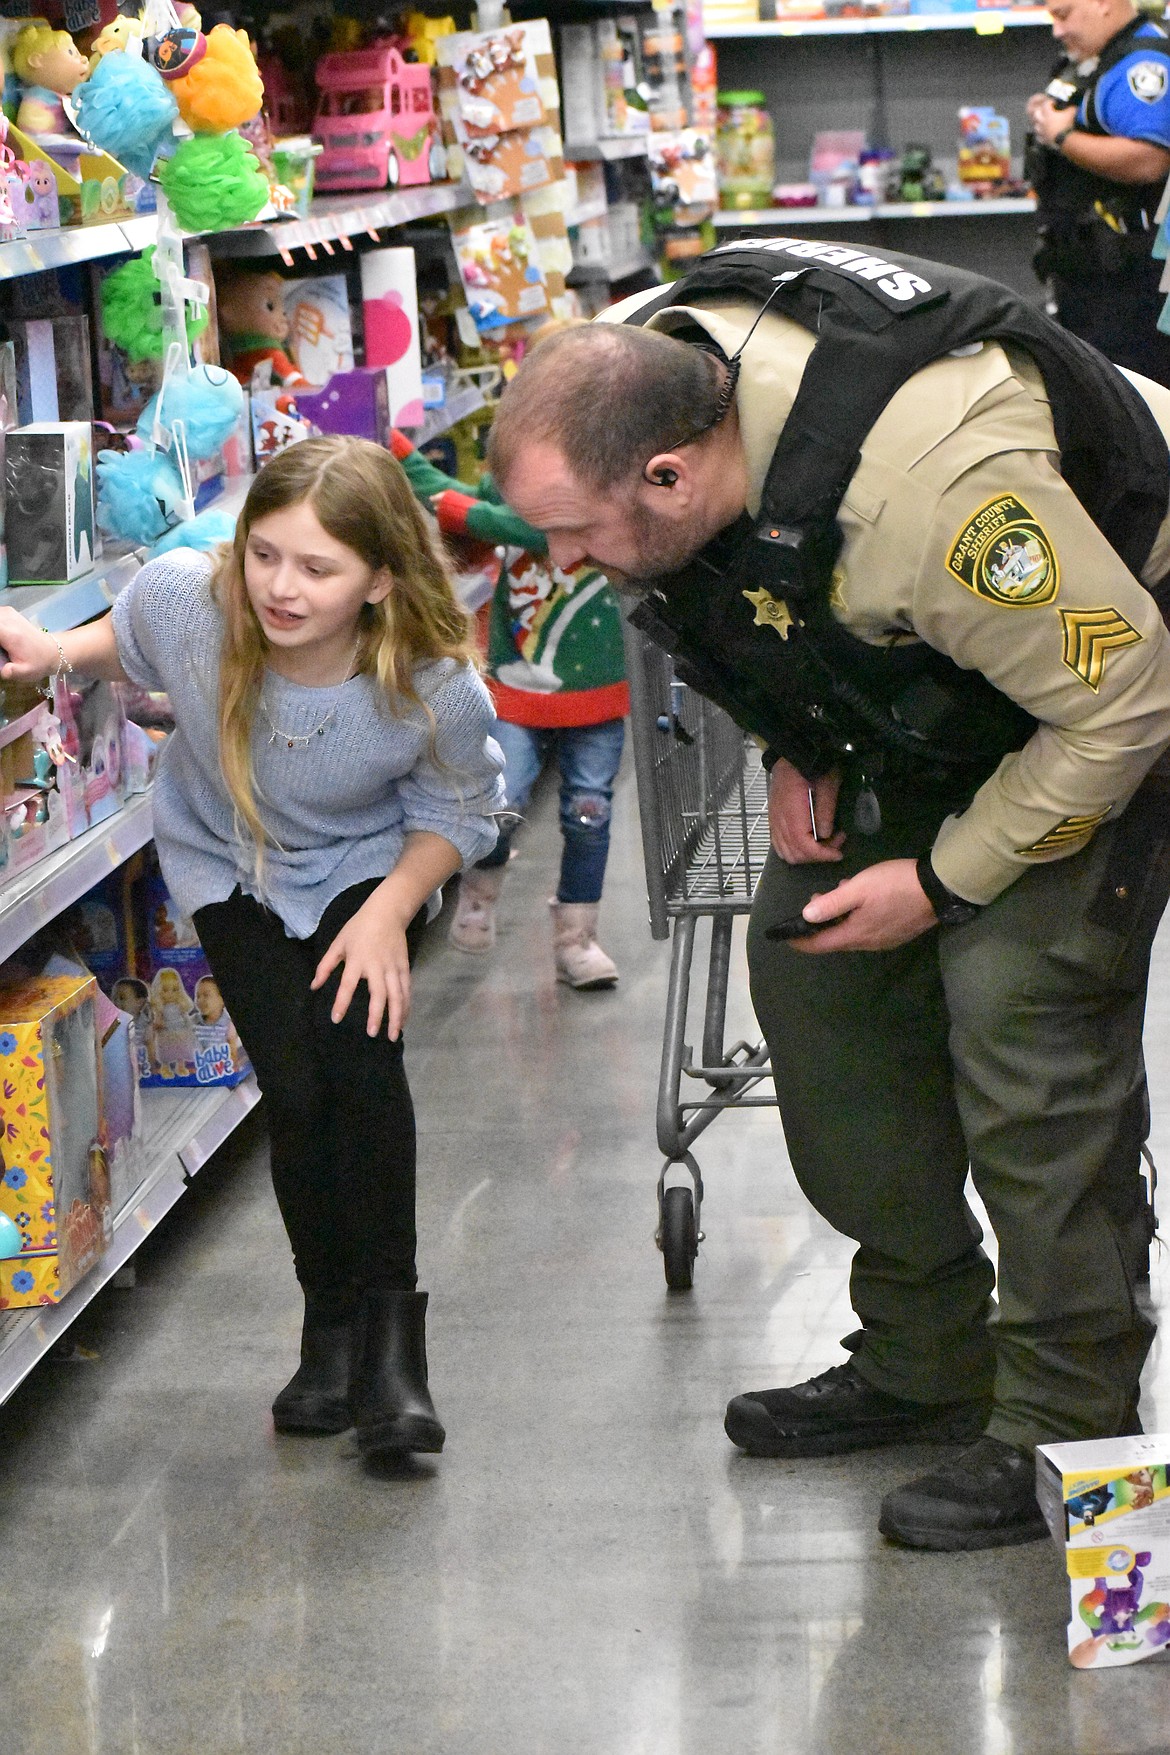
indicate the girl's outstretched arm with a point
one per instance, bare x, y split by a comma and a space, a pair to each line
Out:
29, 653
372, 944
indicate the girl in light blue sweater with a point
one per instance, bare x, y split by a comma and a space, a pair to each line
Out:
331, 766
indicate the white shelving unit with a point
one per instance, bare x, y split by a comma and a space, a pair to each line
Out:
609, 151
182, 1130
778, 219
333, 218
984, 22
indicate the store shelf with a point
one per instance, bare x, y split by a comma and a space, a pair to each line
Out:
61, 249
621, 146
641, 262
181, 1131
33, 897
779, 219
342, 216
459, 404
586, 211
986, 23
56, 607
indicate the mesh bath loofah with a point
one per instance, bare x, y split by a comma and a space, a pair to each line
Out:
140, 494
213, 183
205, 531
224, 89
126, 109
132, 313
208, 401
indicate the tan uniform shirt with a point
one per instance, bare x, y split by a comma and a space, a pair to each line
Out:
959, 531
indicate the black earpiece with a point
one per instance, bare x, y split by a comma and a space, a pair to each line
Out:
662, 478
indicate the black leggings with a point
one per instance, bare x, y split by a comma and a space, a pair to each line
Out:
340, 1117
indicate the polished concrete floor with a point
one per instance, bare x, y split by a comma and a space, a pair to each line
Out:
590, 1569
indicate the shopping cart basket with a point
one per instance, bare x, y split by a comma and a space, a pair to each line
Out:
702, 799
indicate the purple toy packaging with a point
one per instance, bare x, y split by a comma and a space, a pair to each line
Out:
1107, 1504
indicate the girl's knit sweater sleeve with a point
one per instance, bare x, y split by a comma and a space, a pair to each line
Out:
164, 617
455, 788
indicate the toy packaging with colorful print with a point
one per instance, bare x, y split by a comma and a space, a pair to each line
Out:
1107, 1504
183, 1033
49, 484
55, 1183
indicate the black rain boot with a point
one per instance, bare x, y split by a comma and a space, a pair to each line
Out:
389, 1399
316, 1398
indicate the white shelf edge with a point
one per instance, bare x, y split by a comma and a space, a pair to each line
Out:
33, 897
26, 1336
587, 211
779, 219
57, 607
984, 22
639, 263
609, 150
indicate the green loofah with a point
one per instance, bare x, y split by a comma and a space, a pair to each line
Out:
132, 314
214, 182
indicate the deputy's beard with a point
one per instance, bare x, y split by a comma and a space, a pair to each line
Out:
662, 547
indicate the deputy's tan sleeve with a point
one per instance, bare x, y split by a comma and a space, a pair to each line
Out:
1017, 582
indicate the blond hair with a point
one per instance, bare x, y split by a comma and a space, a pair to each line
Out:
34, 39
361, 498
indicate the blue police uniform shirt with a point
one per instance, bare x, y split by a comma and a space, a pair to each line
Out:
1133, 98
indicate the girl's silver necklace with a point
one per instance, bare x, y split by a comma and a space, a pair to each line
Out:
301, 740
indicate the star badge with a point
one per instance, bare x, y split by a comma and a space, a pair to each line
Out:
770, 611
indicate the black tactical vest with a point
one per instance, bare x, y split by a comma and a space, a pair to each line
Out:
820, 696
1089, 225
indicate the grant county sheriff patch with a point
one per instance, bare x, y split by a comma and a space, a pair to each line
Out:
1004, 555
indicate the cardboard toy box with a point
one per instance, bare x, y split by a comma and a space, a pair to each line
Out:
1107, 1504
55, 1183
49, 486
183, 1032
34, 809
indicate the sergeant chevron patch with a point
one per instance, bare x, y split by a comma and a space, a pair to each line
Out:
1063, 836
1089, 635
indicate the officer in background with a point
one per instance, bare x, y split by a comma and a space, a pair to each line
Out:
976, 991
1098, 157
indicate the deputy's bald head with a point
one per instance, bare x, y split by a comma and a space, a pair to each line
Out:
607, 397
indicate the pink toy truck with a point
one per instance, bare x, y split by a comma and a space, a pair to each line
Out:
376, 122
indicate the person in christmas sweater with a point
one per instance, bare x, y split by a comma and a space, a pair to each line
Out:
556, 671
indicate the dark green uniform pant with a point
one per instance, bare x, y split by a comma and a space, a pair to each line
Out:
1010, 1045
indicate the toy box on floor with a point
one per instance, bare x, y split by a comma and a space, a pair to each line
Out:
184, 1034
1107, 1504
55, 1182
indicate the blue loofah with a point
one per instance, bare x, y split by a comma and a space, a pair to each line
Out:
209, 401
205, 531
126, 110
139, 494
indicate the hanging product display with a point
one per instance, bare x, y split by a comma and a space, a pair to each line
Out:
223, 88
127, 110
213, 183
131, 314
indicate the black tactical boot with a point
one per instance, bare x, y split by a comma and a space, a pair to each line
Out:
316, 1399
839, 1411
389, 1398
985, 1498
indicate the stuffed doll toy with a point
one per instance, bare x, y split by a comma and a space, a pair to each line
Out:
253, 326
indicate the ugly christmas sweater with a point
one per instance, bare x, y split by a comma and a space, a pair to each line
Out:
554, 647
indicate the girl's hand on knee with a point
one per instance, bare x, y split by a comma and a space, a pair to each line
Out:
372, 946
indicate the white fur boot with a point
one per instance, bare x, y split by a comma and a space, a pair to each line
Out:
474, 926
580, 959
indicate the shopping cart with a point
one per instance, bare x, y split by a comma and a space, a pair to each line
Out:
702, 799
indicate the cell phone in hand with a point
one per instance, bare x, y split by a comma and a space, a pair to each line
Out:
799, 927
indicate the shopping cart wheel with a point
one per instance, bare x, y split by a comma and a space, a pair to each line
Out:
679, 1238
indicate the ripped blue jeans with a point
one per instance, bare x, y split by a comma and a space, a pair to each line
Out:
588, 758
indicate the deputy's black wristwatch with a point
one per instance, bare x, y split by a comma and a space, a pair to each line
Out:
950, 910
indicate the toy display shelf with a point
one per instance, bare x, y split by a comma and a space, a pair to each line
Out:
181, 1131
609, 151
333, 217
459, 404
338, 217
640, 262
38, 894
56, 607
779, 219
986, 23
